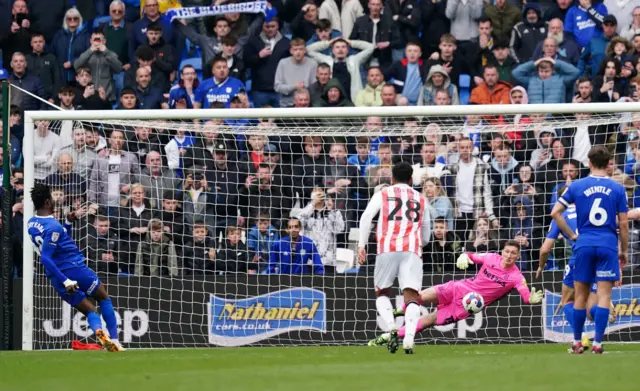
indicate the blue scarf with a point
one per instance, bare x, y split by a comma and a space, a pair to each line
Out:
252, 7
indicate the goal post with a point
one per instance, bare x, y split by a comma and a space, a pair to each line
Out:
179, 311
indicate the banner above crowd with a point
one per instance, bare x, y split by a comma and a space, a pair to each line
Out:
251, 7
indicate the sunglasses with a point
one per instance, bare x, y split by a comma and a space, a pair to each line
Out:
116, 11
73, 18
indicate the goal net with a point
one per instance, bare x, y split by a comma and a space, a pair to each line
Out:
239, 227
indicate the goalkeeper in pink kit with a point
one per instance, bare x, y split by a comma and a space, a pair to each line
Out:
496, 278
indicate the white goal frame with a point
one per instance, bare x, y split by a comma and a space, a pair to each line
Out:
186, 114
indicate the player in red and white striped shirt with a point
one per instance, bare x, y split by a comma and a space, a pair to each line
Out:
403, 228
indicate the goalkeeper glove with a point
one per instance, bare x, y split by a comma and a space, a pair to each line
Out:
536, 296
463, 262
70, 285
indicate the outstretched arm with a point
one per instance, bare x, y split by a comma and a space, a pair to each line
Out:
545, 250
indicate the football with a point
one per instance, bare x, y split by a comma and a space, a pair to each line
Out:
473, 302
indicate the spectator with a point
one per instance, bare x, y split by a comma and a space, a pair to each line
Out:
199, 252
472, 200
566, 46
441, 252
526, 34
305, 169
198, 199
113, 175
81, 156
18, 38
620, 49
231, 256
370, 96
164, 53
182, 95
16, 149
558, 10
440, 206
406, 14
452, 62
177, 148
321, 223
585, 89
220, 88
171, 217
503, 172
316, 90
542, 83
230, 53
295, 254
570, 171
65, 178
363, 159
623, 11
157, 179
379, 173
45, 16
139, 31
145, 58
294, 72
102, 247
95, 142
342, 181
523, 231
483, 239
492, 91
435, 24
259, 195
442, 98
437, 79
430, 166
504, 16
549, 49
303, 25
408, 75
633, 29
69, 43
262, 54
523, 186
147, 96
541, 156
133, 222
260, 239
324, 32
595, 48
128, 99
142, 141
46, 146
345, 68
23, 78
117, 32
43, 64
156, 254
334, 95
390, 97
478, 50
87, 96
503, 61
585, 21
464, 17
386, 38
103, 63
607, 86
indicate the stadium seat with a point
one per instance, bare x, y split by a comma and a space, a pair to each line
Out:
195, 62
465, 89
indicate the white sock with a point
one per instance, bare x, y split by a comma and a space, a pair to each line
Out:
411, 318
385, 309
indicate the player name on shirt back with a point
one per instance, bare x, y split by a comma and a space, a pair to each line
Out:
597, 190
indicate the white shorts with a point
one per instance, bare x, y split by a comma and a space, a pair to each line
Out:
406, 266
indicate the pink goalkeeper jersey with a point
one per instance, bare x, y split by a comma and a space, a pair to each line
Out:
492, 281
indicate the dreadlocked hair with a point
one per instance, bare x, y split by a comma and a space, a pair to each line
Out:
40, 193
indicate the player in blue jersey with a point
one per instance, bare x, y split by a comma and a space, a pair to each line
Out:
66, 268
567, 298
598, 201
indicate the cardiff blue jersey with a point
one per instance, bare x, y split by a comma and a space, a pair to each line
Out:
208, 91
57, 250
570, 217
598, 200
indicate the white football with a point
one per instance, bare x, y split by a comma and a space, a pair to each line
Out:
473, 302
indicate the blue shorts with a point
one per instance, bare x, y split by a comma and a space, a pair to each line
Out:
593, 264
87, 280
568, 276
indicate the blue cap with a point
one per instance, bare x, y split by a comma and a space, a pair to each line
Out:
3, 74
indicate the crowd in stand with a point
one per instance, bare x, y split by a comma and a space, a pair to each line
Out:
183, 198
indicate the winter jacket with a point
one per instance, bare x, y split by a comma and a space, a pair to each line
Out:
196, 257
139, 35
103, 66
94, 246
167, 59
387, 31
409, 18
306, 259
47, 15
322, 227
98, 183
157, 259
525, 36
541, 148
259, 245
203, 208
441, 258
369, 96
324, 99
232, 258
619, 86
263, 70
434, 24
354, 62
583, 24
30, 82
149, 98
551, 90
127, 220
503, 19
173, 224
592, 55
20, 41
464, 18
68, 47
254, 200
482, 95
45, 66
428, 90
72, 183
458, 66
568, 49
555, 12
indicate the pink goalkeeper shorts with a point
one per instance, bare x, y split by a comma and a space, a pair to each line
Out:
450, 307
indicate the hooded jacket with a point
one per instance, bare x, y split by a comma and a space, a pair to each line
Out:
536, 154
482, 95
324, 99
440, 258
523, 227
157, 259
428, 90
502, 177
525, 36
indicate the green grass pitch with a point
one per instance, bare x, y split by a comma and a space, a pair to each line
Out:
450, 368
